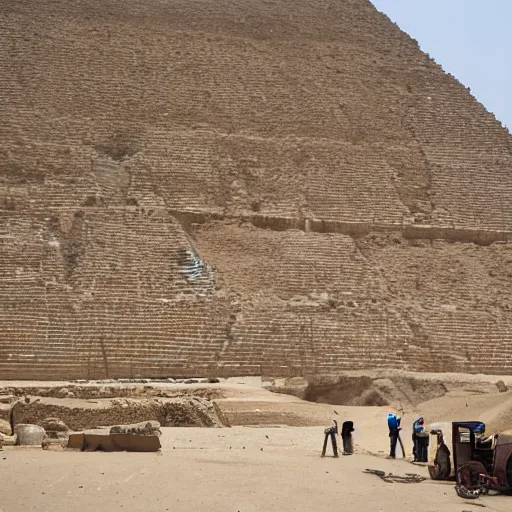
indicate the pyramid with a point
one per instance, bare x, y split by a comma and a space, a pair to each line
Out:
235, 187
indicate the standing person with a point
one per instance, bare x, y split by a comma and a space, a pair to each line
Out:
346, 435
423, 440
417, 428
394, 434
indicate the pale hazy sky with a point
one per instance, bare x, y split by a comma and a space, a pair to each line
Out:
471, 39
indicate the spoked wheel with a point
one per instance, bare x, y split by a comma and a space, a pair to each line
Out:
469, 483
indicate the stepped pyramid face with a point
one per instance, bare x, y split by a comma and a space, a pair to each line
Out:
240, 187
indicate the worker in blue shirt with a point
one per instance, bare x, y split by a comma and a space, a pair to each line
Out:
417, 428
421, 440
394, 434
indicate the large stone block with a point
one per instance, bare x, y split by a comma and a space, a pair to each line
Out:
5, 427
29, 435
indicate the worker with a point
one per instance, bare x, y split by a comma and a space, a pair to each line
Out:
417, 428
394, 434
346, 435
422, 442
331, 432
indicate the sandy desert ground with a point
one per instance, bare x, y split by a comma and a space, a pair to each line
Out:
238, 469
252, 466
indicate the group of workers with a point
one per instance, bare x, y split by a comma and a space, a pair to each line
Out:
420, 438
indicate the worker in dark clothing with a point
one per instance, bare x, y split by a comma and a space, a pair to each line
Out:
417, 428
331, 432
346, 435
422, 442
394, 434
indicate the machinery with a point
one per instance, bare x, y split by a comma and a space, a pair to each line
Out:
478, 462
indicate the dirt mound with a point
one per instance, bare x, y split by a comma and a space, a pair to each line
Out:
190, 412
364, 391
343, 391
400, 392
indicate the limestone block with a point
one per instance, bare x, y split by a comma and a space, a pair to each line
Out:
143, 428
54, 424
10, 440
29, 435
5, 427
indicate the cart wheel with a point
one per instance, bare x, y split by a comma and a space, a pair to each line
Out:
468, 484
45, 445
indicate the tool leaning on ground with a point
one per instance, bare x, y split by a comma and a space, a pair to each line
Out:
331, 432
